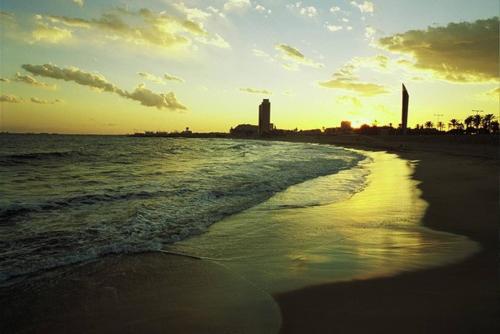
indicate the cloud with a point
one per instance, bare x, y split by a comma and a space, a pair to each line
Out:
333, 28
263, 54
365, 7
292, 54
171, 77
41, 101
236, 5
192, 13
28, 79
144, 27
459, 52
216, 11
334, 9
256, 91
363, 88
149, 98
346, 79
262, 9
369, 33
160, 80
151, 77
10, 99
44, 32
7, 19
346, 99
309, 11
495, 92
79, 2
95, 80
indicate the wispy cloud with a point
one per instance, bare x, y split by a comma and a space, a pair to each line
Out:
262, 9
237, 5
28, 79
495, 92
290, 53
160, 80
333, 27
10, 98
142, 27
346, 78
347, 99
256, 91
192, 13
171, 77
79, 2
42, 101
308, 11
364, 7
46, 32
151, 77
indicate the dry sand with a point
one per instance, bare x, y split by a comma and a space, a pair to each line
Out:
462, 192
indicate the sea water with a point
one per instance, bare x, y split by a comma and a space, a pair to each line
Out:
68, 199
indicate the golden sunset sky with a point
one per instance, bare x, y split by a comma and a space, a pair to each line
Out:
114, 67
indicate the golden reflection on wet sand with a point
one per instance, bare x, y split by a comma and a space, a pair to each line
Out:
376, 232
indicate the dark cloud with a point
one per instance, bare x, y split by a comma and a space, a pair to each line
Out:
141, 94
150, 99
465, 51
74, 74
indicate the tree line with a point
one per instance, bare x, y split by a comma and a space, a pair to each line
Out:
472, 124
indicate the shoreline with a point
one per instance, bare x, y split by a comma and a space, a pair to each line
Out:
463, 297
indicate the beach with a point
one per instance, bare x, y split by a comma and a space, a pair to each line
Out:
462, 192
414, 278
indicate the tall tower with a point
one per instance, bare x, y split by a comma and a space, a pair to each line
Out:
264, 117
404, 111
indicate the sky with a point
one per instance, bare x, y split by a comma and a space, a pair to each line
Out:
116, 67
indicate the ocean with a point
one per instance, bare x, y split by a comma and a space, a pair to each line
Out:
70, 199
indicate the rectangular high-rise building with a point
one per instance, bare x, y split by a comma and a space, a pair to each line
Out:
265, 117
404, 111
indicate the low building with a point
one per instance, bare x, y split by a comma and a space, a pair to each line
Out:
245, 130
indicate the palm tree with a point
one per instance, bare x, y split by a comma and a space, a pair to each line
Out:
486, 121
453, 123
494, 127
440, 125
476, 120
468, 121
429, 125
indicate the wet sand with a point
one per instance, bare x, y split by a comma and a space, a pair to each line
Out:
462, 193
